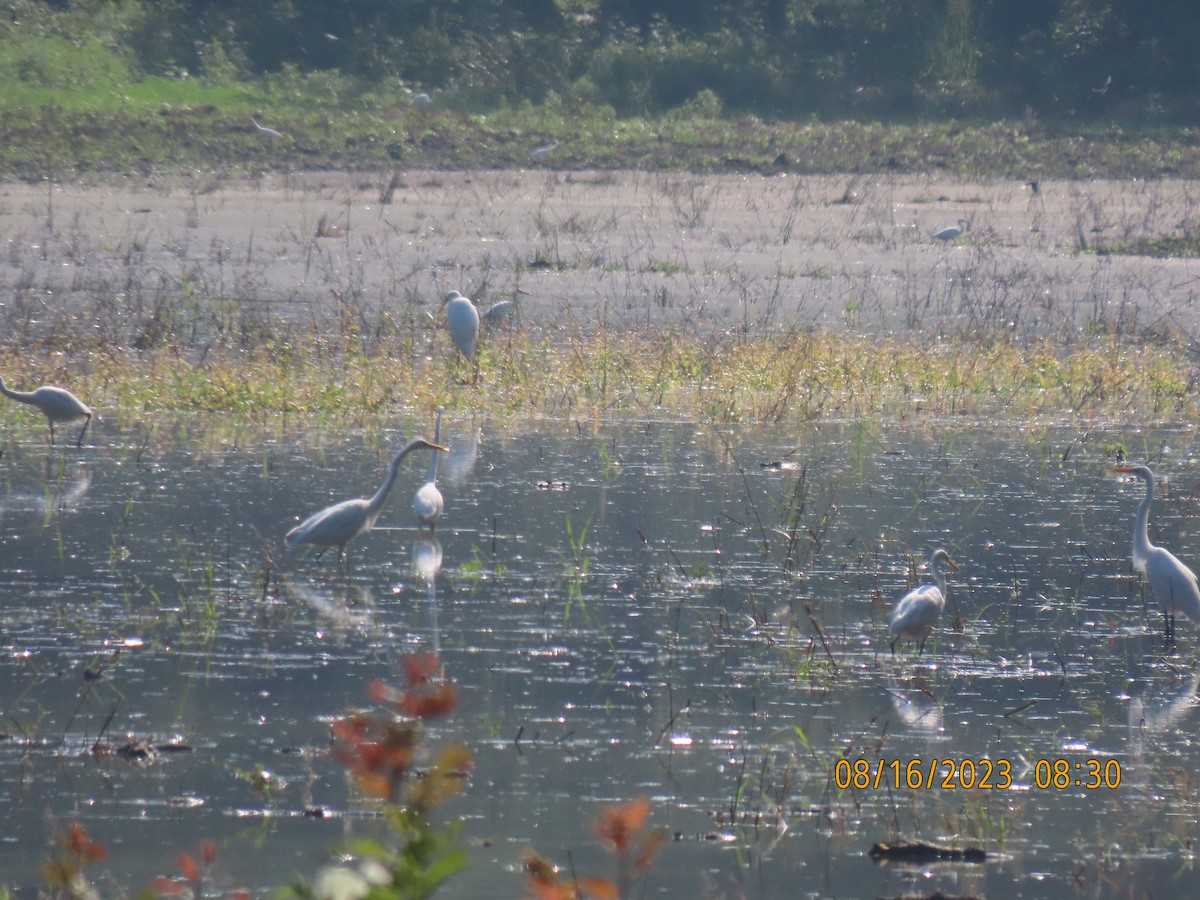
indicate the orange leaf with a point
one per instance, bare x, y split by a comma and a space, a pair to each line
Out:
539, 869
420, 667
187, 866
439, 700
618, 825
645, 857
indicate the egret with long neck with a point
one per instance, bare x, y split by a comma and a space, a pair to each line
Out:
1174, 585
428, 504
341, 523
918, 611
57, 404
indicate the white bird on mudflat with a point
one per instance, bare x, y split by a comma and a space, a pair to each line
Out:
428, 504
951, 232
463, 320
917, 611
57, 404
343, 522
1174, 584
503, 311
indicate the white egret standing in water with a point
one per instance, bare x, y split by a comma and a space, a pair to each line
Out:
57, 404
1174, 584
463, 319
917, 611
951, 232
343, 522
428, 503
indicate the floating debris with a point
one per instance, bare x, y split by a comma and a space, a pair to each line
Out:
922, 852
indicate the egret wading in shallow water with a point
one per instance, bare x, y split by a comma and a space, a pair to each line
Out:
343, 522
463, 319
917, 611
951, 232
57, 404
1174, 584
428, 503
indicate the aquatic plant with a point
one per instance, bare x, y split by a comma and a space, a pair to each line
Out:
620, 829
382, 751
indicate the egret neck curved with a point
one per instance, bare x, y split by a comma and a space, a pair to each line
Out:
22, 396
1141, 519
375, 504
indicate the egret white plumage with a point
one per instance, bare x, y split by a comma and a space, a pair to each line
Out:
543, 152
428, 503
341, 523
265, 131
499, 312
463, 320
1174, 585
503, 311
57, 404
917, 612
951, 232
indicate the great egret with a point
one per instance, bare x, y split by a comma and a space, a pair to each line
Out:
499, 312
917, 611
1174, 584
343, 522
463, 319
503, 311
428, 503
57, 404
265, 131
543, 152
951, 232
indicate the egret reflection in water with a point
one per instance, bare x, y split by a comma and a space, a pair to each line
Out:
61, 492
345, 609
427, 561
916, 708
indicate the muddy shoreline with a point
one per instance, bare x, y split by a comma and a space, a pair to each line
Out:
748, 253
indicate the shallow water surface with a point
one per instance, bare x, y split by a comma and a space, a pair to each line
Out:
641, 609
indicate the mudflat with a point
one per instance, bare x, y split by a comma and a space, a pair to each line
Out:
614, 249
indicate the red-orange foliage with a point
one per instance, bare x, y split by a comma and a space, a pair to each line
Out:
380, 752
621, 829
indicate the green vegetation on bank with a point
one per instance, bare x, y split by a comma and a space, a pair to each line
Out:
95, 88
118, 87
583, 377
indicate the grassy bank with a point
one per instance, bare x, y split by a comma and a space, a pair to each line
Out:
175, 135
330, 370
63, 128
581, 377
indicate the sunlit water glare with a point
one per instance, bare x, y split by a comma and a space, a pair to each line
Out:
652, 609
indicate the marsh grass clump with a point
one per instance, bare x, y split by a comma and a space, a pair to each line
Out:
588, 374
1166, 247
